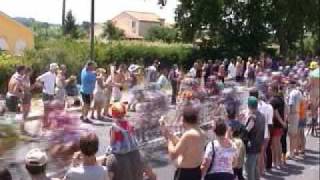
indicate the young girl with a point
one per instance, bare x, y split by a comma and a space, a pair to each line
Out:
238, 163
99, 98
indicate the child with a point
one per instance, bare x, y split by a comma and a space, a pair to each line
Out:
238, 163
302, 124
99, 98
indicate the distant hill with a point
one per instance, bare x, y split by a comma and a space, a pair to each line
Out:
30, 22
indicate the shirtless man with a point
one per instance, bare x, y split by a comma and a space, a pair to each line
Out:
189, 149
15, 89
117, 83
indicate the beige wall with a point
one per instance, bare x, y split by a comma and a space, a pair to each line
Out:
124, 22
145, 26
17, 36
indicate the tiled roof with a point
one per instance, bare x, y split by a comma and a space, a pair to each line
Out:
144, 16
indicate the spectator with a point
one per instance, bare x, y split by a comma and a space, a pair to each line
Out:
15, 89
238, 164
255, 126
47, 81
36, 164
125, 162
295, 97
208, 72
220, 156
99, 97
193, 70
267, 110
84, 163
88, 81
221, 72
60, 90
26, 100
118, 81
279, 124
5, 174
174, 80
189, 148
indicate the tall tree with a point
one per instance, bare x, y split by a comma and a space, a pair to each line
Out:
70, 28
165, 34
111, 32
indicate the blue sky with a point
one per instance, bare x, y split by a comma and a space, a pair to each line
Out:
50, 10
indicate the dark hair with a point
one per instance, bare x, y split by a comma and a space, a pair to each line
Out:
89, 144
20, 68
5, 174
254, 92
231, 112
90, 63
221, 128
36, 170
236, 132
190, 115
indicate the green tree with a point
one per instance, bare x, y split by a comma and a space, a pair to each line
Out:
111, 32
160, 33
70, 28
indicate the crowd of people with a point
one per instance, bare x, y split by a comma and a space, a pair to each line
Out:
250, 141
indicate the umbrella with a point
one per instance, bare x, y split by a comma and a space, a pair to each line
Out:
315, 73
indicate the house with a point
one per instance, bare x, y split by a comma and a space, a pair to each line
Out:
14, 37
136, 24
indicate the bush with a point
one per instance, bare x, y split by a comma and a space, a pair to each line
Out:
74, 55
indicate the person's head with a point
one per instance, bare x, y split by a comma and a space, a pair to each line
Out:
63, 68
118, 110
53, 67
21, 69
91, 66
190, 115
175, 66
101, 72
210, 62
254, 92
235, 131
195, 65
89, 144
220, 128
5, 174
28, 71
252, 103
36, 161
231, 113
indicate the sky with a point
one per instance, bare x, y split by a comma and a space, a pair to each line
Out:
51, 10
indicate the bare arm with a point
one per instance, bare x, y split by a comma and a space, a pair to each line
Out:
277, 115
177, 147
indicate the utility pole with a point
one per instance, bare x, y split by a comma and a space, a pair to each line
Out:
92, 32
63, 12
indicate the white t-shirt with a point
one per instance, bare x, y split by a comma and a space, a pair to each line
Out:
267, 111
223, 157
295, 97
231, 70
87, 173
48, 80
193, 72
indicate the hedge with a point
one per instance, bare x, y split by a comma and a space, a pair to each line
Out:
74, 54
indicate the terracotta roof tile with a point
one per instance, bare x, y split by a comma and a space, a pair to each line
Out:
144, 16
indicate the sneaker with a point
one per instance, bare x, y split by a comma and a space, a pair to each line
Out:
88, 121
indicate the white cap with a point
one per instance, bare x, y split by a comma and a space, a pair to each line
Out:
53, 66
133, 67
36, 157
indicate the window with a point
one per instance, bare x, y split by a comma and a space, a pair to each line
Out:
134, 26
3, 44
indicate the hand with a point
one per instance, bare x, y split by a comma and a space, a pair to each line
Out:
76, 159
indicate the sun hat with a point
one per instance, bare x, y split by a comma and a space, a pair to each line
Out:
36, 157
313, 65
53, 66
133, 67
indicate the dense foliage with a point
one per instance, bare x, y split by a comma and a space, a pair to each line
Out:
111, 32
249, 26
161, 33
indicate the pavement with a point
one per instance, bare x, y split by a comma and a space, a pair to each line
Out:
307, 168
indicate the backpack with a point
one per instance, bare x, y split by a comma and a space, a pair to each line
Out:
129, 144
244, 133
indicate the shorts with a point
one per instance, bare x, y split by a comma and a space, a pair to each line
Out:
47, 98
221, 175
188, 174
12, 103
302, 124
293, 124
86, 98
276, 132
27, 98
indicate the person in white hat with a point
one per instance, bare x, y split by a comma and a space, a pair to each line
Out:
47, 81
36, 162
